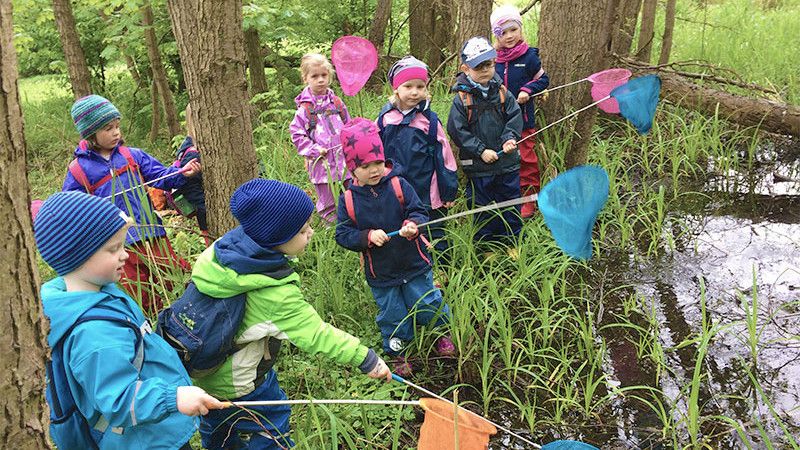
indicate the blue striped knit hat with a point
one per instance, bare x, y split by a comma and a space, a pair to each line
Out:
91, 113
72, 226
271, 212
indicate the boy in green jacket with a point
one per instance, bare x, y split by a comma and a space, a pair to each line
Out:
274, 223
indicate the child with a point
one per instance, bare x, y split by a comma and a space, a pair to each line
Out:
521, 70
485, 123
82, 238
414, 139
192, 190
104, 167
275, 225
398, 270
315, 130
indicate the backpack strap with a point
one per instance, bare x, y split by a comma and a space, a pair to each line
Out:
466, 99
433, 126
60, 371
80, 176
397, 188
311, 113
339, 104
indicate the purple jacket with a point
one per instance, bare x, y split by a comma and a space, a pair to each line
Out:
96, 167
330, 119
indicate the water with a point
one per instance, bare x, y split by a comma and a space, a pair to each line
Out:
744, 224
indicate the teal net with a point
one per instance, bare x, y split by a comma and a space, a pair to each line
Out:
570, 204
637, 101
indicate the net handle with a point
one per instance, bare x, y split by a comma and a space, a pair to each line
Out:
559, 87
564, 118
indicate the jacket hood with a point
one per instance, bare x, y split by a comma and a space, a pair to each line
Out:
187, 142
306, 96
236, 264
421, 106
463, 84
63, 308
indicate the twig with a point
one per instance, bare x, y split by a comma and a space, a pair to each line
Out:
528, 7
444, 63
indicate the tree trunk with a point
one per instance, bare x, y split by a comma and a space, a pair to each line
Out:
255, 64
79, 76
155, 120
586, 53
768, 115
212, 52
669, 26
22, 373
647, 31
377, 30
629, 14
473, 20
431, 30
159, 73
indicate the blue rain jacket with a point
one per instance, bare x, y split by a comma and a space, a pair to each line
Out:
524, 74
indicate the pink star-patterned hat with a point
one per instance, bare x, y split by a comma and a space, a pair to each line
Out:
361, 143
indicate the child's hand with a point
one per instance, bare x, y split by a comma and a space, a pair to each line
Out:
523, 97
192, 168
193, 401
509, 146
323, 151
381, 370
448, 204
409, 230
489, 156
543, 96
378, 237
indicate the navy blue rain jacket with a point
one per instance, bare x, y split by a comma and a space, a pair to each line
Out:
524, 74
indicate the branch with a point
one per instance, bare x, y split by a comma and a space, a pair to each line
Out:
529, 7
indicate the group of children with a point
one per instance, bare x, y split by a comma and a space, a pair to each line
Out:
395, 174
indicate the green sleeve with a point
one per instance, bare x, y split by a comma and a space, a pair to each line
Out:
301, 324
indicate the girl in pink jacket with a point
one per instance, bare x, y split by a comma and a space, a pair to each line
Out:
315, 131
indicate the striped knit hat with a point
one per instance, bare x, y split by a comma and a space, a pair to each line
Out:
271, 212
91, 113
407, 68
71, 226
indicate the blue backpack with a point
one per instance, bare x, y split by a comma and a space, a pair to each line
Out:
69, 429
202, 328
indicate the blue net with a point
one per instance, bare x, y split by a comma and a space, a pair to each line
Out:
637, 101
568, 445
570, 204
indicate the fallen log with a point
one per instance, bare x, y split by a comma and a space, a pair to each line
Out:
767, 115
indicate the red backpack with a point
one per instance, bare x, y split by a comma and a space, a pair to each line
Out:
348, 198
80, 176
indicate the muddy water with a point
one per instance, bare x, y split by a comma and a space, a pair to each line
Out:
737, 241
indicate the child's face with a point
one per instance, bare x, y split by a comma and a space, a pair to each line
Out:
370, 174
481, 74
105, 265
318, 79
410, 93
298, 243
109, 136
510, 36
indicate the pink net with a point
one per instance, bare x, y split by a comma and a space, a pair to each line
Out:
355, 58
604, 82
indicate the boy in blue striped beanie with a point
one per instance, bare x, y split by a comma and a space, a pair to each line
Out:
134, 405
253, 259
104, 167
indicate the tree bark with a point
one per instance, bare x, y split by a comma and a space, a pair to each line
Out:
159, 73
22, 368
473, 19
586, 52
768, 115
647, 31
431, 30
155, 119
79, 76
255, 64
212, 52
629, 14
669, 26
377, 30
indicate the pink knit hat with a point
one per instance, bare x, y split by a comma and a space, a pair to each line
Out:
361, 143
503, 17
407, 68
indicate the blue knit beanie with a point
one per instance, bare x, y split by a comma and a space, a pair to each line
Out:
91, 113
72, 226
271, 212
